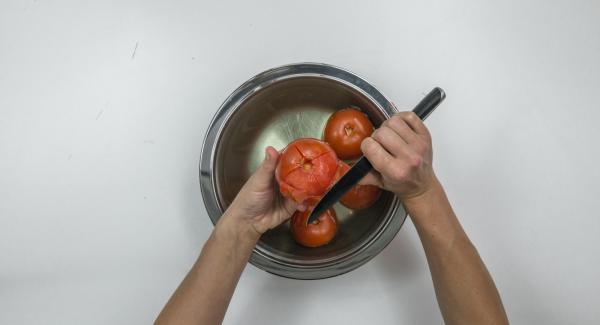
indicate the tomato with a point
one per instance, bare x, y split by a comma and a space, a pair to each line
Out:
306, 168
345, 130
319, 232
360, 196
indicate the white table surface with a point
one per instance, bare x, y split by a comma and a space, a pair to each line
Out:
104, 106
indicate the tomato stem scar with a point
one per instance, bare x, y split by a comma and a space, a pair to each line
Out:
348, 129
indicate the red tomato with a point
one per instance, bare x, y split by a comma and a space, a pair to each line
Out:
318, 232
306, 168
345, 130
360, 196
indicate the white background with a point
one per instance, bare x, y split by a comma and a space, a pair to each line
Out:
104, 106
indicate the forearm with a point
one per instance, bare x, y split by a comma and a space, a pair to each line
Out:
465, 290
204, 294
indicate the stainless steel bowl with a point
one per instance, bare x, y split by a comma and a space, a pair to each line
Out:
274, 108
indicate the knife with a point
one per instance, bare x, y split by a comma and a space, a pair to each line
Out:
363, 166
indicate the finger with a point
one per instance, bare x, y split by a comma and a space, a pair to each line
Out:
372, 178
415, 123
398, 125
289, 206
391, 141
376, 154
271, 156
263, 176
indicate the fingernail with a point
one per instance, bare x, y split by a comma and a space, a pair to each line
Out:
267, 157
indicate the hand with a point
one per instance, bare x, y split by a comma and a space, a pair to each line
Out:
258, 206
400, 152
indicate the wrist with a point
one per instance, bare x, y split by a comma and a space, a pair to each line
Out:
432, 214
430, 207
426, 197
234, 228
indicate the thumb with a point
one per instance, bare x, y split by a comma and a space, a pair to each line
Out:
263, 176
290, 207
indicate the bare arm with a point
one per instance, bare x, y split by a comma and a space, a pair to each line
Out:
204, 295
400, 151
464, 288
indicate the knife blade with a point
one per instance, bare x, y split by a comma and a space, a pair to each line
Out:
363, 166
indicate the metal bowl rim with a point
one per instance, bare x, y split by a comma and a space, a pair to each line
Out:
322, 268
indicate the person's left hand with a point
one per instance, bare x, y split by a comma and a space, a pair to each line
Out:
258, 205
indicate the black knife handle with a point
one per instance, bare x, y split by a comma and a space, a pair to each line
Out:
429, 103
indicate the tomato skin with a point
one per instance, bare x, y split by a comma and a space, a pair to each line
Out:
360, 196
306, 168
318, 233
345, 130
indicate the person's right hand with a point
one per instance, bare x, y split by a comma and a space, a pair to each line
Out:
400, 152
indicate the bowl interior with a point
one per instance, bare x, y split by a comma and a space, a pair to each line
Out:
275, 115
